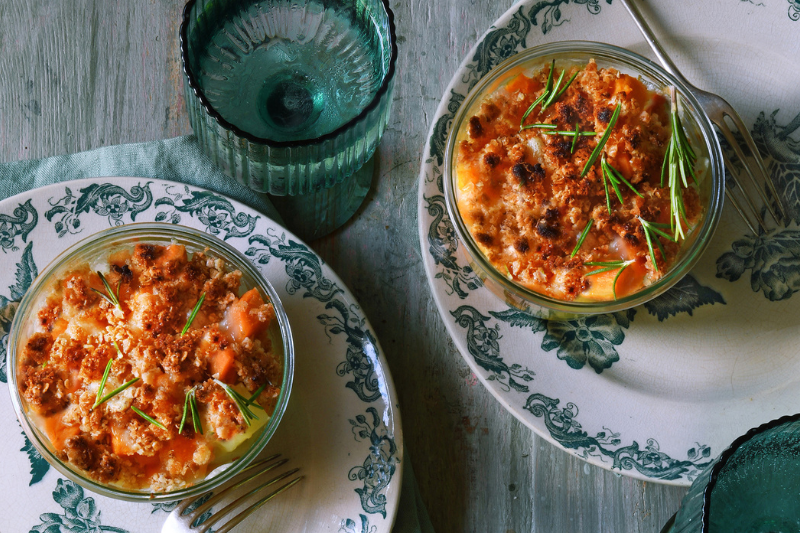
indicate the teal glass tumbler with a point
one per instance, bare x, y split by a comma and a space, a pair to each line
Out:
290, 97
752, 487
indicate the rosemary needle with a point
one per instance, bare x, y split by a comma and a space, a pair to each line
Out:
102, 384
198, 427
651, 233
239, 400
602, 142
194, 314
678, 162
550, 93
582, 238
148, 418
115, 391
111, 298
575, 137
608, 267
252, 399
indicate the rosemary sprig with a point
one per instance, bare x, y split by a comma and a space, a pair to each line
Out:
571, 133
194, 313
111, 297
102, 384
562, 91
148, 418
582, 238
550, 93
652, 230
612, 175
575, 137
543, 126
240, 401
198, 426
679, 162
113, 392
602, 142
608, 266
252, 399
617, 176
190, 405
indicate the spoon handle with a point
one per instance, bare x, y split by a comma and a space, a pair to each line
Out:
662, 56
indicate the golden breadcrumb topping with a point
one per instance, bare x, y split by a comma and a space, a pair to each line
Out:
80, 334
525, 202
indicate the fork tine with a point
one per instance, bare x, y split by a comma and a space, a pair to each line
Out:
257, 468
726, 131
250, 510
732, 199
751, 144
752, 208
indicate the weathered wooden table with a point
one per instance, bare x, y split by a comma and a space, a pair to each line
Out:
88, 73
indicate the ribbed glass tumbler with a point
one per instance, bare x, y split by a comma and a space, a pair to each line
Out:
752, 487
291, 97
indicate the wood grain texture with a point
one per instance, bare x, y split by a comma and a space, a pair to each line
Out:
88, 73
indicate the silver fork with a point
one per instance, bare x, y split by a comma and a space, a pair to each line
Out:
717, 109
178, 522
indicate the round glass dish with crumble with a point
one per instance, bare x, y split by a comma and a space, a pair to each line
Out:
150, 361
582, 178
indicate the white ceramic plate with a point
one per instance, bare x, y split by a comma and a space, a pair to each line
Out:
655, 392
342, 425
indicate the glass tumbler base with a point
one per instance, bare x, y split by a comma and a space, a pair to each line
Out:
318, 213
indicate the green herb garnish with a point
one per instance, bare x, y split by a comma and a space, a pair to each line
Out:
252, 399
543, 126
608, 266
240, 401
602, 142
111, 297
651, 232
113, 392
615, 177
556, 93
575, 137
148, 418
194, 314
102, 384
571, 133
550, 93
582, 238
190, 405
678, 163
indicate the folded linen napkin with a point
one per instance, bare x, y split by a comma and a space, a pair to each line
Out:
179, 159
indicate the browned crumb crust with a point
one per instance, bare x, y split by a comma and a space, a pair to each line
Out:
64, 360
522, 194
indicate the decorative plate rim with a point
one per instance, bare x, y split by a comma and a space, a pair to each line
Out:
379, 500
551, 421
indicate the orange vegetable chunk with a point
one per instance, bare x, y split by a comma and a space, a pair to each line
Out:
242, 321
223, 365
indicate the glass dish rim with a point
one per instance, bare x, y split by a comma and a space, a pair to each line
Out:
229, 254
653, 72
211, 112
727, 453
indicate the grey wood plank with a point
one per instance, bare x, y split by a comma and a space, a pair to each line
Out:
88, 73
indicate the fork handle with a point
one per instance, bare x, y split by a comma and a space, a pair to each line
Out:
662, 56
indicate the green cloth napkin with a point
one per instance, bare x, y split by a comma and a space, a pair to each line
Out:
179, 159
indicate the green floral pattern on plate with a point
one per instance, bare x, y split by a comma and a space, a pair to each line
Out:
380, 465
103, 199
19, 224
99, 203
80, 515
490, 335
772, 258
